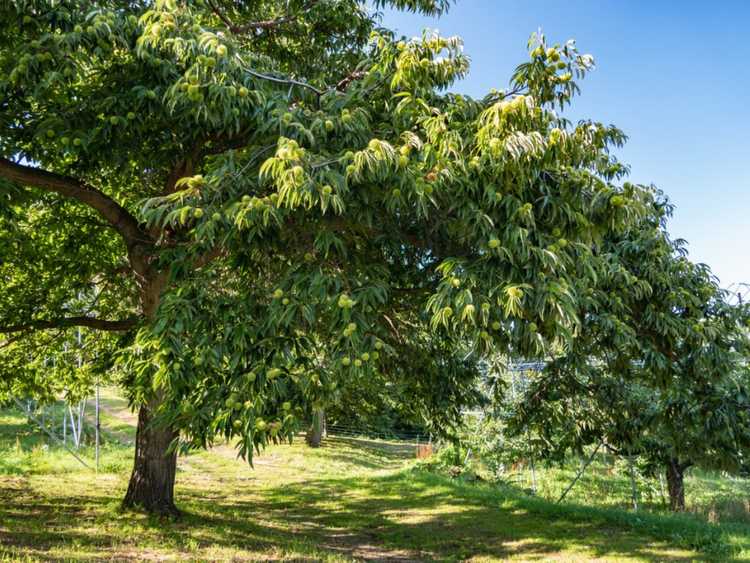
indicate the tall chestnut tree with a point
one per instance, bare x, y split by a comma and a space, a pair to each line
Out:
242, 204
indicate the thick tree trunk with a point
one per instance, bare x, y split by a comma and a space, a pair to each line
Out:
676, 485
151, 485
317, 429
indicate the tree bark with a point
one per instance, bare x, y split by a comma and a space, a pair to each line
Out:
676, 485
317, 429
151, 485
114, 213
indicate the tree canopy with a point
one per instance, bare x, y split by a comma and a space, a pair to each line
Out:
659, 370
241, 206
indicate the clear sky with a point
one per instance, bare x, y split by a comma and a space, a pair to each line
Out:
674, 75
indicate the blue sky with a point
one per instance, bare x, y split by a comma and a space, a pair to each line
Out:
675, 76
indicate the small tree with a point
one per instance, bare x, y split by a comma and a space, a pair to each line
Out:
241, 189
658, 372
669, 431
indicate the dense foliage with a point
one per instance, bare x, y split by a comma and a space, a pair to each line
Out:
247, 208
659, 372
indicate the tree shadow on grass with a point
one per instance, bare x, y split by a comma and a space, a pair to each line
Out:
405, 516
417, 517
431, 517
370, 454
38, 522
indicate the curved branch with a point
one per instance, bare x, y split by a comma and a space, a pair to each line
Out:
114, 213
280, 80
340, 86
66, 322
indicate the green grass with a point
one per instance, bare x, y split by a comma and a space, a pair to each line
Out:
350, 500
715, 497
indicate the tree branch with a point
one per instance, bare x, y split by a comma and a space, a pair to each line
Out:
66, 322
349, 78
115, 214
280, 80
258, 25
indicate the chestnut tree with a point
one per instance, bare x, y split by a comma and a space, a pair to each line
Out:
658, 372
242, 204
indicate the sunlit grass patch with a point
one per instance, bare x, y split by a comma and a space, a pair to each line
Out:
349, 500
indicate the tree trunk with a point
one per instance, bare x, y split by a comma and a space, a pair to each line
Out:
675, 485
317, 429
151, 485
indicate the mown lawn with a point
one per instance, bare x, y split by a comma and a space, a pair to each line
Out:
350, 500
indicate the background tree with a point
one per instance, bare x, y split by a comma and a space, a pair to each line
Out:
240, 187
422, 386
658, 372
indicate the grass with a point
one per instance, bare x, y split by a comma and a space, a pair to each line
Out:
716, 497
350, 500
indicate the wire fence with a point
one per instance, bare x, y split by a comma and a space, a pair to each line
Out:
420, 442
68, 430
378, 434
72, 426
67, 424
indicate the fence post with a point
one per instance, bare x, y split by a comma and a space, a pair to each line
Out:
96, 426
633, 487
51, 435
